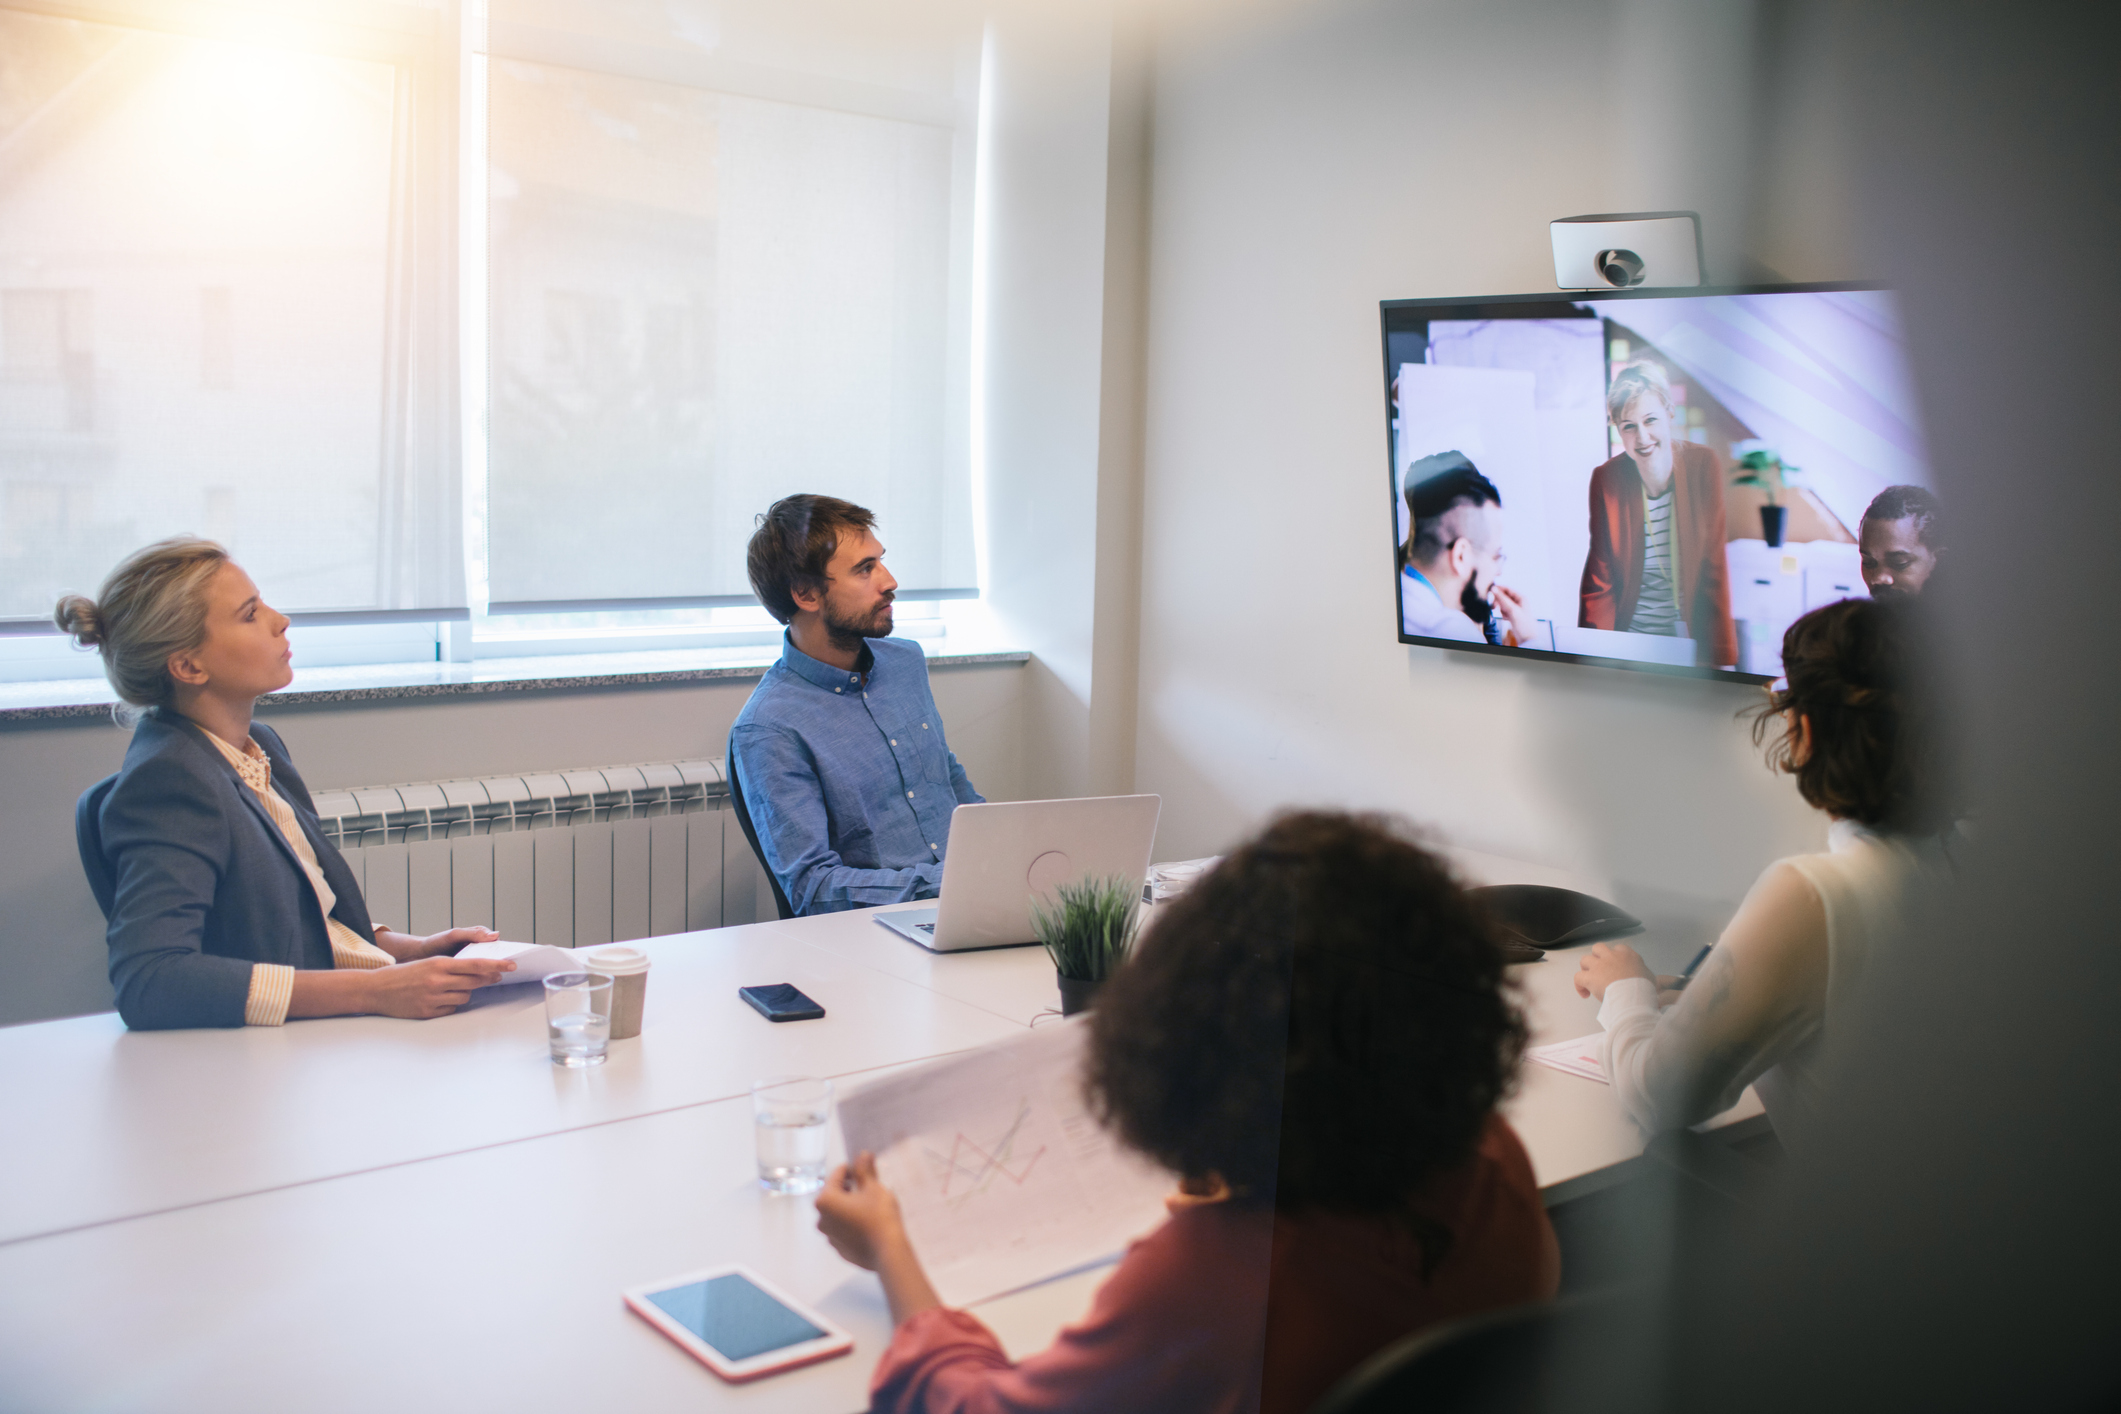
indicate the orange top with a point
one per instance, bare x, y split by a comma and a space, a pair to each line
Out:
1235, 1309
1612, 571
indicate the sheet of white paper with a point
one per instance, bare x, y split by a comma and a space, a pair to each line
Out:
1004, 1177
1577, 1057
534, 961
1168, 881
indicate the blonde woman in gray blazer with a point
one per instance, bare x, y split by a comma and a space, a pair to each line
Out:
226, 905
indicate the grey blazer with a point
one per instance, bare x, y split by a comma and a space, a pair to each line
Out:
205, 884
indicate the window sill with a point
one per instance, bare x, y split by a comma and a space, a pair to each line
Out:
85, 698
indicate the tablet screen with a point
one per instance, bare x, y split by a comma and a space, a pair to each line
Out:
735, 1317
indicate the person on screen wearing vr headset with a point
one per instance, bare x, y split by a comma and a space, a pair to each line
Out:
1345, 1185
1657, 561
1902, 538
1452, 555
840, 752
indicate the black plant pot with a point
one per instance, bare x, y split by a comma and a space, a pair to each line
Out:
1771, 521
1077, 994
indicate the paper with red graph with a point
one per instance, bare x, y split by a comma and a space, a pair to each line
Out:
1004, 1176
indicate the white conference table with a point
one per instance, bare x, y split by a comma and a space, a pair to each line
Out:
430, 1215
155, 1120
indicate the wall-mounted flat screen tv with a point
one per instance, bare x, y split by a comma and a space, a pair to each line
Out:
1651, 480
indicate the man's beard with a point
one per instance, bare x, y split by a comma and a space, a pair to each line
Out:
847, 634
1476, 605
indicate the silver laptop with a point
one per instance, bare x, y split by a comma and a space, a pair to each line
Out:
1005, 853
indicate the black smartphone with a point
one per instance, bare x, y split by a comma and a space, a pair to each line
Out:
781, 1002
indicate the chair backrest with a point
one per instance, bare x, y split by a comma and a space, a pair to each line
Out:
88, 838
751, 834
1581, 1353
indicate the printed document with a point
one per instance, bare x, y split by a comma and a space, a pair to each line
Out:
1577, 1057
1004, 1176
534, 961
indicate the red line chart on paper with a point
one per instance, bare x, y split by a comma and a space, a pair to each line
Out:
971, 1167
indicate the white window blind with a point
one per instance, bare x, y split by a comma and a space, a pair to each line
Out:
729, 255
218, 303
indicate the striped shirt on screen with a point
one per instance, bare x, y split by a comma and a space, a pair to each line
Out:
1657, 607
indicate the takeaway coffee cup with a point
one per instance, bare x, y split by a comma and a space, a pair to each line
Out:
628, 970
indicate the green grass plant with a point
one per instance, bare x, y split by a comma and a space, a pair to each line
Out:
1088, 929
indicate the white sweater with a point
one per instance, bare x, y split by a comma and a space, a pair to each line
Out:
1761, 1005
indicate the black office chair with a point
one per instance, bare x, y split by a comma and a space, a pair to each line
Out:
751, 834
1582, 1354
88, 838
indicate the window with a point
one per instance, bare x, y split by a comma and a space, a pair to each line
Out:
525, 320
155, 186
728, 254
217, 338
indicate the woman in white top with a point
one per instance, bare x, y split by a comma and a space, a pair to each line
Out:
1855, 729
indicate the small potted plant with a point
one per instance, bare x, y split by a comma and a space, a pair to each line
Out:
1762, 468
1088, 931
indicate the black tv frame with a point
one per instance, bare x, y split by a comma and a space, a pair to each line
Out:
1503, 307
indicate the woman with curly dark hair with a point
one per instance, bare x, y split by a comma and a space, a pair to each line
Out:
1314, 1039
1856, 724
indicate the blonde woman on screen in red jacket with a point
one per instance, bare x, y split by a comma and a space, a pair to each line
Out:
1656, 563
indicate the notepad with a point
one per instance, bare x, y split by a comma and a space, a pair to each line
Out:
1577, 1057
1004, 1177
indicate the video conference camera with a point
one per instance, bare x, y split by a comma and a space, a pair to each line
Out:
1628, 250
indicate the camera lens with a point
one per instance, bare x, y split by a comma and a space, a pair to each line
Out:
1622, 268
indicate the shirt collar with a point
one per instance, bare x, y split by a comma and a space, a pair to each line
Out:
1845, 834
251, 763
824, 674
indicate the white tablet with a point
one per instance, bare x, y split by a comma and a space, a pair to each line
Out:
737, 1324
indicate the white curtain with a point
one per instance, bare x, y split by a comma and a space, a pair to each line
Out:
729, 260
218, 305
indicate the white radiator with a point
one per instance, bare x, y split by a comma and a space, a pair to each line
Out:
571, 858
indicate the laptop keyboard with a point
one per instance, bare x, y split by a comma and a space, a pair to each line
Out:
928, 928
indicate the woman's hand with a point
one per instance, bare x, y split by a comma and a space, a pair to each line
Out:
858, 1214
431, 987
407, 947
860, 1218
1606, 964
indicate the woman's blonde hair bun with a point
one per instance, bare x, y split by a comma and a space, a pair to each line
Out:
76, 615
152, 606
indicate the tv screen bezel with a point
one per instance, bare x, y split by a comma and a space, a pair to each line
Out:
1472, 305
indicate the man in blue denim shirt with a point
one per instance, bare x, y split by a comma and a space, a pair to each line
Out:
840, 750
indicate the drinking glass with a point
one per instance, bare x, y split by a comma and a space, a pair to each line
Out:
792, 1116
578, 1017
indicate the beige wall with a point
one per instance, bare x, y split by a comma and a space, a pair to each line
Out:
51, 936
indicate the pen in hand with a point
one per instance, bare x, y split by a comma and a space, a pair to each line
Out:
1688, 974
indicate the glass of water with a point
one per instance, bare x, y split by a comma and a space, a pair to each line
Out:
578, 1017
792, 1116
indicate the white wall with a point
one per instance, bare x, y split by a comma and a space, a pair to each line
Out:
1063, 234
1303, 171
